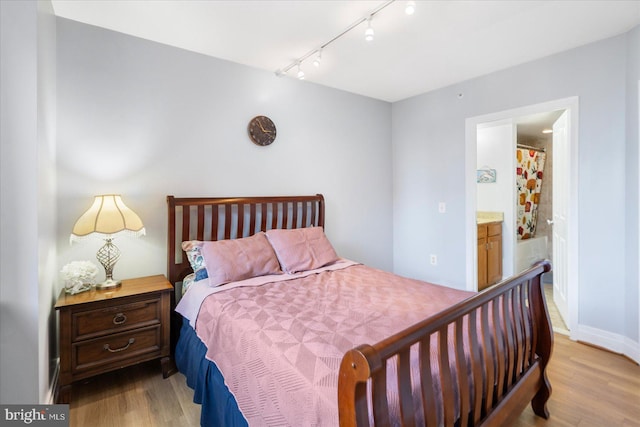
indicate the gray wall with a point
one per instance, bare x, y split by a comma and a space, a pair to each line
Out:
48, 286
428, 133
632, 186
147, 120
27, 201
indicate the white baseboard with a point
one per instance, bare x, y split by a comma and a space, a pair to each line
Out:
610, 341
51, 393
632, 350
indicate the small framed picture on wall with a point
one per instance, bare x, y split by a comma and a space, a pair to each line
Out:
485, 176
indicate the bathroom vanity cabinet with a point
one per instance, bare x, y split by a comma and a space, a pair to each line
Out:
489, 253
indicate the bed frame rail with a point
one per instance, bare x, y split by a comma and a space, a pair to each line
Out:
501, 337
218, 218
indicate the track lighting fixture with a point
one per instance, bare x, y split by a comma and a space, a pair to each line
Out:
368, 33
409, 9
316, 62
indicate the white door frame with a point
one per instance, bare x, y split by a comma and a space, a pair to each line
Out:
471, 125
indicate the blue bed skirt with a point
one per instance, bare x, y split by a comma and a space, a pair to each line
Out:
219, 407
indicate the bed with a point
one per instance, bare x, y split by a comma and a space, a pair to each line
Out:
400, 352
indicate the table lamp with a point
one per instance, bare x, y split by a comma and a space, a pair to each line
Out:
107, 218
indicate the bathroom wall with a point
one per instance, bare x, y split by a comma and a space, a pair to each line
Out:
495, 151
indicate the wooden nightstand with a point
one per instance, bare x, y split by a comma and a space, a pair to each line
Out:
104, 330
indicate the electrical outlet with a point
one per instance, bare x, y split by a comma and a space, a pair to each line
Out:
434, 259
442, 207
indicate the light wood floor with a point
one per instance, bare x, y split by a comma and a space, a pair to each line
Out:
591, 387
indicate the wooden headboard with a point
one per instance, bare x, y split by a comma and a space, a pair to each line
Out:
218, 218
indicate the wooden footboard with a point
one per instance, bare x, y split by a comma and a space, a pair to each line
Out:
501, 338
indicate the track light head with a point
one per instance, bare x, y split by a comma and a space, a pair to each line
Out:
316, 62
300, 74
410, 8
368, 33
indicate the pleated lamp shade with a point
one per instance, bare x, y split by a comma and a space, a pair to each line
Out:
107, 216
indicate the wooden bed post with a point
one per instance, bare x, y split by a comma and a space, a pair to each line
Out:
321, 203
355, 370
171, 238
544, 344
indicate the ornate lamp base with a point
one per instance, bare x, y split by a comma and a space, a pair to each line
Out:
109, 284
108, 255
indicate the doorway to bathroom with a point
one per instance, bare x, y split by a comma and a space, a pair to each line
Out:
540, 208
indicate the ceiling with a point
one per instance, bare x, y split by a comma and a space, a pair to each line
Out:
532, 126
442, 43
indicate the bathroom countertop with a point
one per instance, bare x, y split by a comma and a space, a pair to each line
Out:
483, 217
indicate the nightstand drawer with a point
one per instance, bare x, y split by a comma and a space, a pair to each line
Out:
94, 323
115, 349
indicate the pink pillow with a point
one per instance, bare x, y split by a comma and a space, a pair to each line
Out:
239, 259
302, 249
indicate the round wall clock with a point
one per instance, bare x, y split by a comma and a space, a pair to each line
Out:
262, 130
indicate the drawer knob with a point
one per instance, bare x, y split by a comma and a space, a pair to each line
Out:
119, 319
115, 350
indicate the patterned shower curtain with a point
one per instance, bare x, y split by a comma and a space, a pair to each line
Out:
530, 165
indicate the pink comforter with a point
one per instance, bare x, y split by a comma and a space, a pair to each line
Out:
279, 345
